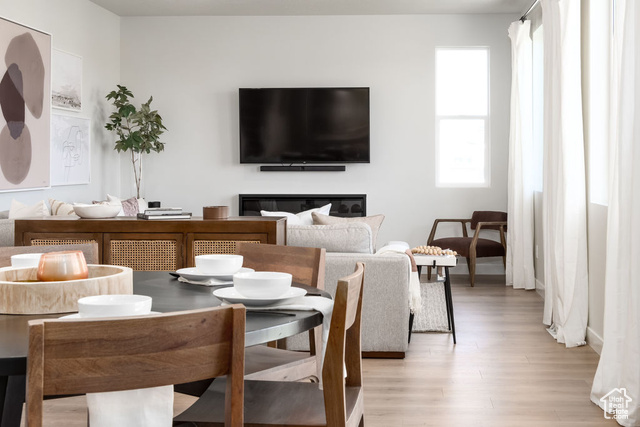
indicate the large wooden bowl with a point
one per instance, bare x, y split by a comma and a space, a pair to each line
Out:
33, 297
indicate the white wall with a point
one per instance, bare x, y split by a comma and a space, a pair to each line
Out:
193, 67
82, 28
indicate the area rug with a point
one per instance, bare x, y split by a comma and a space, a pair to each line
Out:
433, 316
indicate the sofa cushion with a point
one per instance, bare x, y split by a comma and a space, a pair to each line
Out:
301, 218
351, 237
374, 222
20, 210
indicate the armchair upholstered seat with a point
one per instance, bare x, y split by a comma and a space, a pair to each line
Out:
475, 247
462, 246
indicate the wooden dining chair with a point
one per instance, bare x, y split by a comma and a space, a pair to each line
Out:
277, 403
306, 265
68, 357
90, 251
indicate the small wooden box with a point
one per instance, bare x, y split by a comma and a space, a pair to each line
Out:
215, 212
20, 294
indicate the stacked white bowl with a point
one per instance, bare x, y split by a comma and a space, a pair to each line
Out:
262, 284
114, 305
219, 264
25, 260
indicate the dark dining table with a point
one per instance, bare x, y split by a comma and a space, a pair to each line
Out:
168, 295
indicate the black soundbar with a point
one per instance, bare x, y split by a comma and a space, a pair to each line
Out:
304, 168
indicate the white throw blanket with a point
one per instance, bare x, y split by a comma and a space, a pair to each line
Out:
149, 407
415, 296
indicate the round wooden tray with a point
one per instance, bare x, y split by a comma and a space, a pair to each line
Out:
58, 297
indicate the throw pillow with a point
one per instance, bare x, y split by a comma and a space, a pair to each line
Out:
130, 207
302, 218
20, 210
292, 219
61, 208
374, 222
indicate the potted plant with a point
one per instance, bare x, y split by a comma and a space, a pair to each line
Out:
138, 130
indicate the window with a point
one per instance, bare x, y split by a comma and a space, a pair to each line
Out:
462, 117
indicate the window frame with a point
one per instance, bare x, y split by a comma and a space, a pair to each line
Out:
486, 118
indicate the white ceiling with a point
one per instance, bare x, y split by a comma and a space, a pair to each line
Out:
309, 7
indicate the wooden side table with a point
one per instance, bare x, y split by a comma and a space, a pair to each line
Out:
439, 262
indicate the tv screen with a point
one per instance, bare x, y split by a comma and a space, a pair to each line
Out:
304, 125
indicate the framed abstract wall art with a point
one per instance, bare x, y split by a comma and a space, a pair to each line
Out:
25, 94
66, 81
70, 150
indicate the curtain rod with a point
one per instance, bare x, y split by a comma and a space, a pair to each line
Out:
535, 3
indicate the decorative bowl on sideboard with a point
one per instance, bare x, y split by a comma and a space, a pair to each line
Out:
96, 211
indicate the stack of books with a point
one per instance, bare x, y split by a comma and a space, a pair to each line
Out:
164, 213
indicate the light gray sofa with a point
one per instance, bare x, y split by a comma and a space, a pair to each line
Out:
385, 306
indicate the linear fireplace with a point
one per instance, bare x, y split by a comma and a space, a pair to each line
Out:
344, 205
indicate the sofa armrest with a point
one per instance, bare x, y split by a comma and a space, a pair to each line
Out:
385, 304
385, 301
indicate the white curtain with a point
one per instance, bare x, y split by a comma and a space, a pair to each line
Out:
564, 199
619, 366
520, 270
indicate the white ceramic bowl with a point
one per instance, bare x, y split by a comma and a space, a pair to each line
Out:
219, 264
262, 284
96, 211
25, 260
114, 305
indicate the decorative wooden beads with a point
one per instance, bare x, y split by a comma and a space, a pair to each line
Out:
433, 250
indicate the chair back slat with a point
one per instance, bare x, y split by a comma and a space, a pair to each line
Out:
90, 251
343, 347
488, 216
306, 265
112, 354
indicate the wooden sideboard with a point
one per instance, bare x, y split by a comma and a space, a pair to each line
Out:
151, 244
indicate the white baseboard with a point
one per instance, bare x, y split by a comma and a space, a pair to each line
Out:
540, 288
594, 340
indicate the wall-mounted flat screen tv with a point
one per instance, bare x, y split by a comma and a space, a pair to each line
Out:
304, 125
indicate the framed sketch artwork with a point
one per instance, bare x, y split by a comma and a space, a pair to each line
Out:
66, 83
25, 85
70, 150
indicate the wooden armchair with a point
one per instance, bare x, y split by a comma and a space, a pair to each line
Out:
474, 247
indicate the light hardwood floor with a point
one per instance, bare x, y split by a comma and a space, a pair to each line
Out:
506, 370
